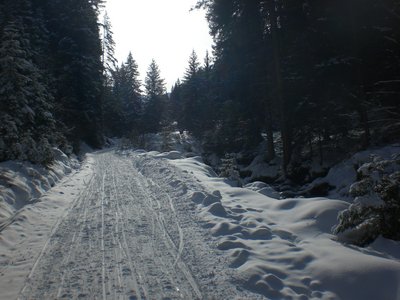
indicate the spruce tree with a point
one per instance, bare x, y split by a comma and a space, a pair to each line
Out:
27, 124
192, 109
76, 46
108, 47
155, 99
127, 96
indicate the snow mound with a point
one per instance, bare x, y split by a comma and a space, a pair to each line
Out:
284, 249
262, 170
263, 188
170, 155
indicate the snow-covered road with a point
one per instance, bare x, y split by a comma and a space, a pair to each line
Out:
124, 238
149, 225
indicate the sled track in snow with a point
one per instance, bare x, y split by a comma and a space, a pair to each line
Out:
114, 243
126, 237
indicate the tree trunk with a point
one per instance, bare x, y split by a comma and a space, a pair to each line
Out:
285, 130
270, 140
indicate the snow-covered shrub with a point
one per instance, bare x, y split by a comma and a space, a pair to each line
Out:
376, 207
229, 168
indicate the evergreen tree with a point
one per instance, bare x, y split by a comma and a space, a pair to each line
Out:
192, 109
127, 97
207, 66
193, 67
109, 109
133, 87
50, 50
176, 104
155, 99
75, 42
154, 84
109, 60
27, 124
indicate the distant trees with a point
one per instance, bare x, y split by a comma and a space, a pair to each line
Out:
191, 99
124, 108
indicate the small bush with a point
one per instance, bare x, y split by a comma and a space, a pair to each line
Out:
376, 207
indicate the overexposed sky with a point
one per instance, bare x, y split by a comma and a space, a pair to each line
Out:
165, 30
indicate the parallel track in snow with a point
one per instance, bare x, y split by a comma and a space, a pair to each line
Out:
131, 234
115, 243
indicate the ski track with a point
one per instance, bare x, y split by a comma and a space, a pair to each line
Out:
125, 237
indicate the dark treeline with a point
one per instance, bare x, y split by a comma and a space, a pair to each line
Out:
321, 73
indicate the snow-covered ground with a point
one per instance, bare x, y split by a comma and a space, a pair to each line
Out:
341, 176
151, 225
284, 249
22, 183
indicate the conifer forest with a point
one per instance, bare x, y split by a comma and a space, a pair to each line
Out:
315, 81
321, 74
269, 170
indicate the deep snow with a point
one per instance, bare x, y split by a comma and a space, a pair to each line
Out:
285, 249
149, 225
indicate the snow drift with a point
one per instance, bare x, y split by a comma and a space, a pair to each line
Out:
281, 248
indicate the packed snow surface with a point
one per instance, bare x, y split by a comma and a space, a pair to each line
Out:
150, 225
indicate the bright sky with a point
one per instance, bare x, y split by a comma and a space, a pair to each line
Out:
165, 30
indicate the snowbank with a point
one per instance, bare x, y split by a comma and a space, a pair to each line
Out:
25, 236
344, 174
21, 183
281, 248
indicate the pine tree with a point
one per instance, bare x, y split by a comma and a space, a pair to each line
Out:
128, 92
108, 59
207, 64
154, 84
176, 104
133, 86
193, 67
155, 99
192, 109
76, 46
27, 124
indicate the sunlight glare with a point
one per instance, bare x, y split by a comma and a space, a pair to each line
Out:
164, 30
